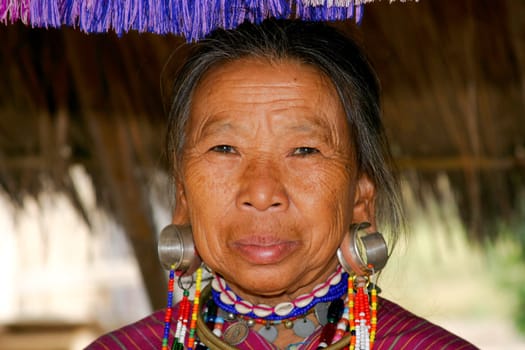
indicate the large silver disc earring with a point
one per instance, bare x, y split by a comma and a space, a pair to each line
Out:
362, 253
176, 249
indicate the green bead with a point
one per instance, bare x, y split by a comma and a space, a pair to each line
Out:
177, 346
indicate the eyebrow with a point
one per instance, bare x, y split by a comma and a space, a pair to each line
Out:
215, 126
311, 125
315, 124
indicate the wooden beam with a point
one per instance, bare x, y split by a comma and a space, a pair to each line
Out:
126, 186
122, 175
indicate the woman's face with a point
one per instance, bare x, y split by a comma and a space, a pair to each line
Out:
269, 179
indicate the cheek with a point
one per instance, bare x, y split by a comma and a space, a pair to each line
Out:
206, 196
206, 186
325, 197
329, 187
206, 203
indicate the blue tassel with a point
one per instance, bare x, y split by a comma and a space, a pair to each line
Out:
175, 22
328, 10
69, 10
44, 14
95, 16
118, 16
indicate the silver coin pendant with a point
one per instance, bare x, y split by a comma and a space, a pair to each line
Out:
303, 328
269, 333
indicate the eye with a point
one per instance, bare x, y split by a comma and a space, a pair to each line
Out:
223, 149
304, 151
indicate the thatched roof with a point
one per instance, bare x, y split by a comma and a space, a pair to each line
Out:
453, 77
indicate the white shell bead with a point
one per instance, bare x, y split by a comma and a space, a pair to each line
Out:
215, 285
303, 302
283, 309
262, 310
336, 279
228, 297
244, 307
322, 292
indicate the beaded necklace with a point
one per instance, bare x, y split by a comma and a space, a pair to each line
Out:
358, 316
330, 317
292, 314
335, 287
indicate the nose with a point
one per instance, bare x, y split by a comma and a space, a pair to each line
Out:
262, 188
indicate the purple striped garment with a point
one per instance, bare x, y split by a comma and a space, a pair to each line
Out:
396, 329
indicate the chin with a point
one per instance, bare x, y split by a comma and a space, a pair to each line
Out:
263, 281
260, 289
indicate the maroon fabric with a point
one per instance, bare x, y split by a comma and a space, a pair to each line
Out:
396, 329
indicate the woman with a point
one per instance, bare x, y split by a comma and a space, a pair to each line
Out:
281, 171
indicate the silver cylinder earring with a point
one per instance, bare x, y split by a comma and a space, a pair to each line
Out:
362, 253
176, 249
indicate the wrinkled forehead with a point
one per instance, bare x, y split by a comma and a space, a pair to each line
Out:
297, 91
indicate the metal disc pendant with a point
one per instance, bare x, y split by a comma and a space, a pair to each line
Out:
321, 312
303, 328
269, 333
236, 333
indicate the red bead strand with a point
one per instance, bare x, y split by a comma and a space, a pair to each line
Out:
362, 316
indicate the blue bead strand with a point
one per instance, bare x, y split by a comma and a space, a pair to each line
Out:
335, 292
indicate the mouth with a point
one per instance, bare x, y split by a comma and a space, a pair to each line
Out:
264, 250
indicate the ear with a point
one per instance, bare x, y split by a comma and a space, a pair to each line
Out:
364, 201
180, 213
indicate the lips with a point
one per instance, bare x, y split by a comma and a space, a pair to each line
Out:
264, 250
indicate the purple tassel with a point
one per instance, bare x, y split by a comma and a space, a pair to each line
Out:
86, 14
141, 15
280, 9
119, 16
131, 13
175, 23
359, 11
4, 9
350, 12
193, 19
13, 10
45, 14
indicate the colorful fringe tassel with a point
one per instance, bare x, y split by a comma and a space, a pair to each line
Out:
193, 19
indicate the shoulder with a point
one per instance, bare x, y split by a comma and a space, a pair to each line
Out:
398, 328
144, 334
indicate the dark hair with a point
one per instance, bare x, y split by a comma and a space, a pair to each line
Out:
323, 47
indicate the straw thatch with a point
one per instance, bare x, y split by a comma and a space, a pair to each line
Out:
453, 77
